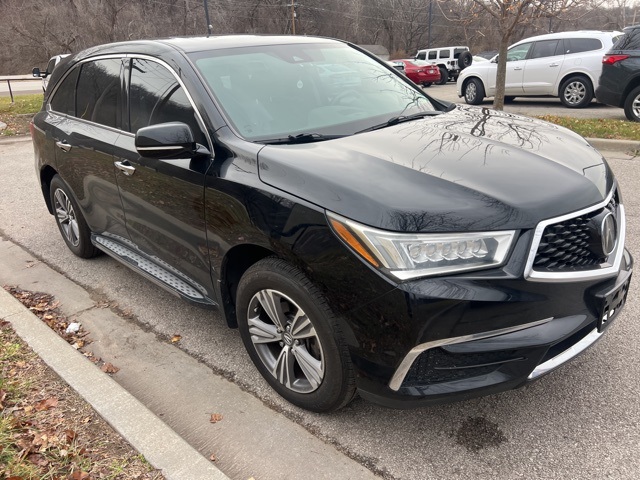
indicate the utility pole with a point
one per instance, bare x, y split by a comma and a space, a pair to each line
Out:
293, 17
206, 14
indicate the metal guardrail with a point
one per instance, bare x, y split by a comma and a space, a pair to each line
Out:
15, 78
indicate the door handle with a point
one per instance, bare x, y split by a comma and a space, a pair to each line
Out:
125, 167
63, 145
554, 64
517, 68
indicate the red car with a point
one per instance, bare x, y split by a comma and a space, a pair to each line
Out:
423, 75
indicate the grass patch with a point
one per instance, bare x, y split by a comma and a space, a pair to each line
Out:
24, 104
598, 127
18, 115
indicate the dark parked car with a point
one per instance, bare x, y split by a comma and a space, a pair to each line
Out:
620, 79
370, 239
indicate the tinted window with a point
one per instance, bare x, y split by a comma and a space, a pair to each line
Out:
544, 48
629, 41
99, 92
421, 55
64, 100
51, 65
433, 55
155, 97
444, 53
577, 45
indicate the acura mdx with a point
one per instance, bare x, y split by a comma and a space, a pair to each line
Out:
362, 236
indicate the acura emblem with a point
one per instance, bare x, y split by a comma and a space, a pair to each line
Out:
608, 232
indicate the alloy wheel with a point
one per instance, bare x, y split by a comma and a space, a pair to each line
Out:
470, 92
66, 217
286, 341
575, 92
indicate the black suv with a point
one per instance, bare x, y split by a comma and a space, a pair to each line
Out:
620, 79
363, 236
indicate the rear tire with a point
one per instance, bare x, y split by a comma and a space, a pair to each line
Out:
427, 84
444, 76
293, 337
71, 223
632, 105
474, 92
576, 92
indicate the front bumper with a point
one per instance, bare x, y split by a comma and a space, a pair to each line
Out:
482, 336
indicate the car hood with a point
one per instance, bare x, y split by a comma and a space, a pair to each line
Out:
465, 170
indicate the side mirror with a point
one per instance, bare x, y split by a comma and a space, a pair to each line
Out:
36, 72
166, 140
494, 59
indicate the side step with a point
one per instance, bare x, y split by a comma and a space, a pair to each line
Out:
154, 269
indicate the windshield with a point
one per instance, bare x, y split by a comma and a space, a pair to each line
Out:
274, 91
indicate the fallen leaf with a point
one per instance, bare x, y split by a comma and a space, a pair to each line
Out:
3, 395
47, 404
176, 338
212, 457
70, 435
109, 368
215, 418
79, 475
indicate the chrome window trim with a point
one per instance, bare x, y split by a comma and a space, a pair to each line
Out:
606, 270
568, 354
199, 117
401, 372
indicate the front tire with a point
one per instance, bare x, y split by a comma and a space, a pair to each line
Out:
576, 92
632, 105
474, 92
293, 338
71, 223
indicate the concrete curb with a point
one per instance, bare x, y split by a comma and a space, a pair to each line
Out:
159, 444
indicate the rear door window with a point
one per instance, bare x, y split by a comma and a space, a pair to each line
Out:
64, 98
433, 55
444, 54
99, 97
544, 48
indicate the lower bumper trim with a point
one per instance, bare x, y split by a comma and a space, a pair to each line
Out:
565, 356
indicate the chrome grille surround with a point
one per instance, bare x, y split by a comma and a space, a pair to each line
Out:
608, 267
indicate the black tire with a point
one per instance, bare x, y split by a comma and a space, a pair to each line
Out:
292, 321
71, 223
576, 92
632, 105
473, 92
509, 99
465, 59
444, 76
427, 84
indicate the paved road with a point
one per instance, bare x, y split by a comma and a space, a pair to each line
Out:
21, 88
533, 106
581, 422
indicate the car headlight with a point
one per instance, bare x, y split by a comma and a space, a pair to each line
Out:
412, 255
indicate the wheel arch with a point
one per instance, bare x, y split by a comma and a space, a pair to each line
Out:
578, 73
633, 83
46, 175
235, 263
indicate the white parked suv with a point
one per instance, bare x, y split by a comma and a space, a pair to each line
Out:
565, 65
447, 59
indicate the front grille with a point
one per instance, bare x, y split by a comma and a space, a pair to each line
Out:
437, 365
573, 244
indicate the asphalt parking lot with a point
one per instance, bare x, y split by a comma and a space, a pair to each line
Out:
533, 106
582, 421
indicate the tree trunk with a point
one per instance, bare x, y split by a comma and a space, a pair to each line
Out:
498, 99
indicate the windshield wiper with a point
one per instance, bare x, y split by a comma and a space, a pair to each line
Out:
401, 119
300, 138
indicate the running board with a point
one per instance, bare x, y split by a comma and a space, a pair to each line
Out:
156, 270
